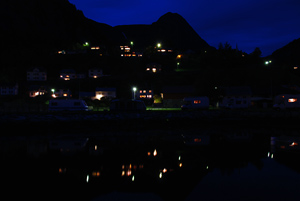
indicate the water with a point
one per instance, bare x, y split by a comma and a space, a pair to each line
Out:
240, 164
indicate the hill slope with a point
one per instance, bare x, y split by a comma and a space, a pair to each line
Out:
171, 29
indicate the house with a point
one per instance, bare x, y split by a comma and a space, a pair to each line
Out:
36, 74
107, 92
284, 101
153, 68
9, 89
67, 74
235, 97
36, 90
145, 94
95, 73
66, 93
173, 95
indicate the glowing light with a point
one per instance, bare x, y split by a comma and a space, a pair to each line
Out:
154, 152
164, 170
158, 45
268, 154
179, 56
160, 175
132, 179
292, 100
96, 147
149, 153
123, 173
272, 155
87, 178
296, 67
207, 167
128, 173
293, 144
180, 164
134, 89
154, 70
179, 158
96, 174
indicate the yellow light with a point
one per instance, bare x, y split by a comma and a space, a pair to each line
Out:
164, 170
154, 70
293, 144
95, 76
128, 172
96, 147
179, 56
65, 95
123, 173
292, 100
154, 152
180, 164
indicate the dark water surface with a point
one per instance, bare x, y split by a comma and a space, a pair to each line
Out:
195, 164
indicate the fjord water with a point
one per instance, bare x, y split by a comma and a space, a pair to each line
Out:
206, 164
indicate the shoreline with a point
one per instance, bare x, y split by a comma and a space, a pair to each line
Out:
148, 120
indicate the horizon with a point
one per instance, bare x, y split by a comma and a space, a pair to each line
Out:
266, 24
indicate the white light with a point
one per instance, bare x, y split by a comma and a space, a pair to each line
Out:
134, 89
132, 179
87, 178
272, 155
207, 167
268, 154
160, 175
179, 158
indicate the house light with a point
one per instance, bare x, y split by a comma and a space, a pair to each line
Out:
296, 67
154, 70
293, 144
154, 152
292, 100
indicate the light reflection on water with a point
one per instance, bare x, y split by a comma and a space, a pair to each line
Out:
239, 165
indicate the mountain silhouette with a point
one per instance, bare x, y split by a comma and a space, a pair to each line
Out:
171, 29
288, 55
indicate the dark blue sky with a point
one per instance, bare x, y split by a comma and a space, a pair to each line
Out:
267, 24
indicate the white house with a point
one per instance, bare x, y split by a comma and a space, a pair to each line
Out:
9, 90
36, 74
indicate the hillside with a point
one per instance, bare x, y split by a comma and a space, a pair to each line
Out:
50, 24
171, 29
287, 56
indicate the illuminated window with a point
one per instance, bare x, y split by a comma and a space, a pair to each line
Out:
292, 100
296, 67
144, 91
149, 96
141, 91
197, 101
150, 91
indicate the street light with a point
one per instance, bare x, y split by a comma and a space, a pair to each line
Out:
133, 94
158, 45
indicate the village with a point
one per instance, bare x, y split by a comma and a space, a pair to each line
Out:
164, 79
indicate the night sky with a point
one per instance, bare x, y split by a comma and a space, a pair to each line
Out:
267, 24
